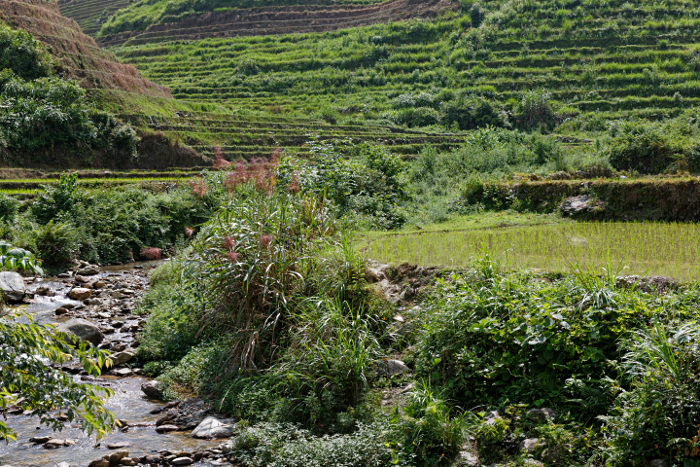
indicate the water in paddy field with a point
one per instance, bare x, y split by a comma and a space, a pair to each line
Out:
128, 404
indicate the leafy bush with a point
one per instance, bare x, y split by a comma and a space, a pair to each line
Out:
648, 148
40, 110
57, 244
328, 366
367, 184
469, 112
24, 55
550, 332
284, 445
535, 110
660, 416
171, 330
431, 436
8, 208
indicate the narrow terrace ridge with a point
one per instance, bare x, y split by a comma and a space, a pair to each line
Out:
280, 20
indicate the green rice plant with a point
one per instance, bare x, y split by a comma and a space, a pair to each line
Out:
668, 249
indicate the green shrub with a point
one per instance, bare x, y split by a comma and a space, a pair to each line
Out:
368, 185
470, 112
552, 332
172, 327
647, 148
430, 435
332, 353
8, 208
284, 445
57, 199
535, 110
56, 244
660, 416
24, 55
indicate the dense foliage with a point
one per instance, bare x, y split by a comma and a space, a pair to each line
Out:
40, 111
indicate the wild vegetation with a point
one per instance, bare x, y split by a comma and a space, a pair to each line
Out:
496, 160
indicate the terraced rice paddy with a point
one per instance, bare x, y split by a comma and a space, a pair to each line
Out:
668, 249
603, 60
27, 187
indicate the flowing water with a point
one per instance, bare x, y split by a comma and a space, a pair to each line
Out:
128, 403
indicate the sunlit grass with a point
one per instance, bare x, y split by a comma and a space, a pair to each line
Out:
669, 249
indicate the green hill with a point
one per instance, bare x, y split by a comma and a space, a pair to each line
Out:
595, 60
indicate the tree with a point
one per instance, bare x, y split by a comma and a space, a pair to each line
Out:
29, 380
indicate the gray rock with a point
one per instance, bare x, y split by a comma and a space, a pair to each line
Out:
182, 461
12, 286
580, 206
54, 443
541, 415
125, 356
123, 372
89, 270
120, 445
93, 301
530, 445
657, 463
469, 459
166, 428
391, 367
491, 417
82, 329
210, 427
152, 389
40, 439
80, 293
117, 456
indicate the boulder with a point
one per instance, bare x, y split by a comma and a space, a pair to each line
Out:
581, 206
127, 461
125, 356
120, 445
182, 461
491, 417
469, 459
152, 389
102, 462
117, 456
166, 429
541, 415
80, 293
210, 427
54, 443
89, 270
82, 329
12, 286
391, 368
530, 445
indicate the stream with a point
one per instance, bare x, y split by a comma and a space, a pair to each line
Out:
128, 403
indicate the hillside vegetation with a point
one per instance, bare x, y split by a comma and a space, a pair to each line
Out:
574, 65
